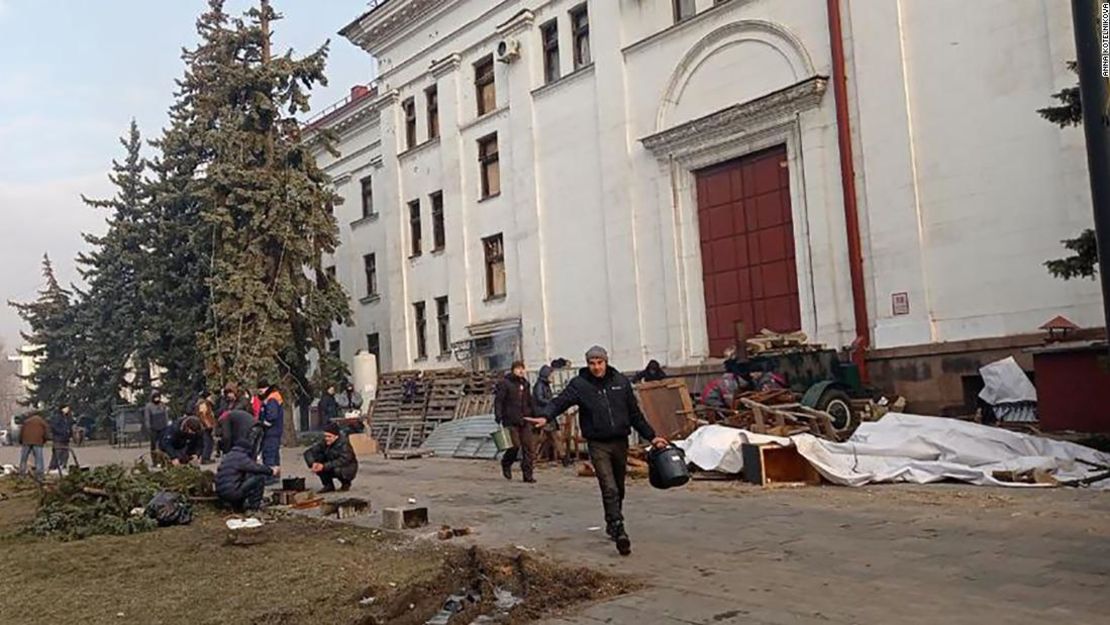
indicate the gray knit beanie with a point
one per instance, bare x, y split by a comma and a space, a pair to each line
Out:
597, 351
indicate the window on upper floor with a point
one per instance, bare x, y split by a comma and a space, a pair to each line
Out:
409, 108
414, 228
367, 197
549, 32
431, 97
421, 322
490, 164
494, 249
370, 266
684, 9
580, 34
443, 323
439, 230
484, 85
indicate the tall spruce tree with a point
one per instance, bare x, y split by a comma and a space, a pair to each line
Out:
242, 214
1084, 262
50, 342
111, 312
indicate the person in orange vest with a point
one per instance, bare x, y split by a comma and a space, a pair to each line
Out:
272, 420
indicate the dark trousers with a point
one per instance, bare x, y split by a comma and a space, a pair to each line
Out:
271, 449
155, 436
328, 479
610, 460
209, 446
249, 494
524, 440
59, 456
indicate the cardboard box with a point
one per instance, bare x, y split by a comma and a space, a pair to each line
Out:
363, 444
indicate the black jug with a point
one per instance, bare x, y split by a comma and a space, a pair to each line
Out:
667, 467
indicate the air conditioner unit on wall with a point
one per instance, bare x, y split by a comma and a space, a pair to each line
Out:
508, 50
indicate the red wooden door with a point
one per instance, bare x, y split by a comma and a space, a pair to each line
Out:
747, 247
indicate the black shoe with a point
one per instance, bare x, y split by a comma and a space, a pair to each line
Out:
326, 489
624, 544
530, 480
344, 487
507, 471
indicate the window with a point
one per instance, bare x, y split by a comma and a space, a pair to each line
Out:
443, 322
370, 265
330, 273
431, 96
374, 346
495, 266
491, 167
683, 9
333, 347
550, 34
409, 108
414, 226
580, 33
421, 330
439, 233
483, 83
367, 197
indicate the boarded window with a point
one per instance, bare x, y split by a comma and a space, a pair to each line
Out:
484, 85
495, 266
489, 161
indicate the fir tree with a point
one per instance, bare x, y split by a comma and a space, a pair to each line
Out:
1084, 262
111, 313
50, 342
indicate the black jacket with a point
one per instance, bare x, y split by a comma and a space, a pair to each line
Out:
338, 458
235, 426
607, 407
156, 417
179, 444
235, 467
512, 401
329, 408
61, 429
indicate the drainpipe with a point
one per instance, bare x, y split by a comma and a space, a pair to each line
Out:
848, 186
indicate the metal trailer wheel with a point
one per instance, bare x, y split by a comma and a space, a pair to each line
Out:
839, 406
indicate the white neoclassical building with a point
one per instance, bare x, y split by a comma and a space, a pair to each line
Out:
530, 177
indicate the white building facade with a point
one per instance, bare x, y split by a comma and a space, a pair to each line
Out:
644, 174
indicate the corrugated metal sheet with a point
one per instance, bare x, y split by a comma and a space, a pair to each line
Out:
464, 438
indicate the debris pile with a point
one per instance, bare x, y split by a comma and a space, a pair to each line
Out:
112, 499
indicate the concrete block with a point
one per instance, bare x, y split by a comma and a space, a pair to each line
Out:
404, 518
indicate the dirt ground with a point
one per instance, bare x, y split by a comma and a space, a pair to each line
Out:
304, 571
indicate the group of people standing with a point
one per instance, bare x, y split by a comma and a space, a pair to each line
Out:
608, 412
36, 431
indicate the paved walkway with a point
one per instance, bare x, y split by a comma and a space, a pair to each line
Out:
725, 553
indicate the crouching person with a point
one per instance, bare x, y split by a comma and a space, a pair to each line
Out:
183, 442
333, 459
240, 481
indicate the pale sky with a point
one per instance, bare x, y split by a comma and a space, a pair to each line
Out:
72, 75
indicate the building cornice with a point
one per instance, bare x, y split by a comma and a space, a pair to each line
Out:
445, 66
518, 23
743, 118
377, 28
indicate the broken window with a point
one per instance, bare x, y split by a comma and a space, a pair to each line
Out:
414, 227
580, 33
484, 85
439, 232
431, 97
443, 322
367, 197
421, 330
494, 248
409, 108
370, 266
550, 34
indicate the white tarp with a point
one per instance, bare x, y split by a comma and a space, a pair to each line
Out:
1004, 382
907, 448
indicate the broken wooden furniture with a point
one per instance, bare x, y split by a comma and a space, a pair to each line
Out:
778, 420
667, 406
770, 465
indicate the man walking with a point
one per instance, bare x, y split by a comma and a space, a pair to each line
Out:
272, 419
61, 430
156, 418
607, 414
33, 434
542, 394
512, 408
